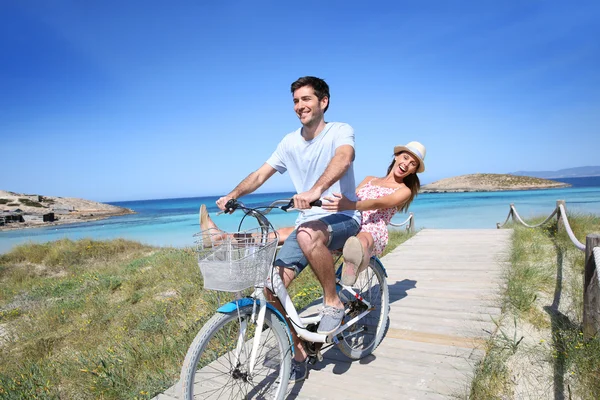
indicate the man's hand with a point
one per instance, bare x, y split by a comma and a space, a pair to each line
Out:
338, 202
302, 200
222, 201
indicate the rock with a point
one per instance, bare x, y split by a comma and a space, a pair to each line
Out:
71, 210
489, 183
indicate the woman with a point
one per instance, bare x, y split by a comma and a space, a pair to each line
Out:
379, 199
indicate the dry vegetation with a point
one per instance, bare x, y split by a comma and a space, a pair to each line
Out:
104, 319
538, 350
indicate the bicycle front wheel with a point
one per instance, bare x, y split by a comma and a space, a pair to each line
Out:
362, 338
217, 364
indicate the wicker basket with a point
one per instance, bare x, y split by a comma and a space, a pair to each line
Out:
231, 262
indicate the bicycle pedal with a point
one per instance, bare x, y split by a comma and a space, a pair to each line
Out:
315, 358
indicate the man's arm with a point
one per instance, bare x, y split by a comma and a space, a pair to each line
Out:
336, 168
248, 185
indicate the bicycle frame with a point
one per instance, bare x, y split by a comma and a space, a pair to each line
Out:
299, 324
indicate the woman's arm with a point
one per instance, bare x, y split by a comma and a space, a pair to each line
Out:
338, 202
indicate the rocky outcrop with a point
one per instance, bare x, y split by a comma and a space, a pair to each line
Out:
37, 210
489, 183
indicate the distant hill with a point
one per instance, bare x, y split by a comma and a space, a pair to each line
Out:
561, 173
489, 183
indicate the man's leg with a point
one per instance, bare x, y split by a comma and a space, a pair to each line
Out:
290, 261
317, 239
287, 276
313, 238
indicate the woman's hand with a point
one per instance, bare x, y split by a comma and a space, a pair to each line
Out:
338, 202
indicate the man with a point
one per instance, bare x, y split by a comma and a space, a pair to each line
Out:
319, 158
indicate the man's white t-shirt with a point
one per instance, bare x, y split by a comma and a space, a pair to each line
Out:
306, 160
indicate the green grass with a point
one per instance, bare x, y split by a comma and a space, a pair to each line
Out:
533, 297
105, 319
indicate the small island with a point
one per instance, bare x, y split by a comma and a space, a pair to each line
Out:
19, 210
490, 183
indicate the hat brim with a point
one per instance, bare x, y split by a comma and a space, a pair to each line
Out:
399, 149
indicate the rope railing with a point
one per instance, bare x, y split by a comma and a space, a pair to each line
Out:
562, 216
410, 220
576, 242
518, 217
591, 280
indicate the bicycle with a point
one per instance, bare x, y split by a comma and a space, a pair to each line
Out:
245, 349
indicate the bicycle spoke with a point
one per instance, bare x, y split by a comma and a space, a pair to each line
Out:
220, 373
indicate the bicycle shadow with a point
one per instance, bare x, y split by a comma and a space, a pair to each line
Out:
333, 358
399, 290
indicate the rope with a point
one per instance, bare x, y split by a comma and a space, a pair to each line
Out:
507, 218
569, 231
518, 217
597, 259
560, 209
402, 224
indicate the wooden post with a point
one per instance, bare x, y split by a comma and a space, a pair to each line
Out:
411, 223
591, 289
560, 223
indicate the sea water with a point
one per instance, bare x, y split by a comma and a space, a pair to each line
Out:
173, 222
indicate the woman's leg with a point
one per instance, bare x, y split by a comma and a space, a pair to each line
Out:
211, 232
357, 252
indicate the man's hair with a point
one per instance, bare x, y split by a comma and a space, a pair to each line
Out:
320, 87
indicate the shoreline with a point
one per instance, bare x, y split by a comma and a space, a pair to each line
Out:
491, 183
14, 226
471, 190
24, 211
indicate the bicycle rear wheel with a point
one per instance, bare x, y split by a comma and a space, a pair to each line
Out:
362, 338
211, 369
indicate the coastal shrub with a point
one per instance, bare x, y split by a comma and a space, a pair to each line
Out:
4, 201
30, 203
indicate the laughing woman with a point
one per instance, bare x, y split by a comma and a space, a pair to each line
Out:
378, 200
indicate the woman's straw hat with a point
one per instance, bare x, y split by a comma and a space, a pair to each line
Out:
417, 150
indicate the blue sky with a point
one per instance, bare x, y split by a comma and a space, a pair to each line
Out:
113, 100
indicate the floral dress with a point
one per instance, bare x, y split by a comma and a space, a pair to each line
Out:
375, 221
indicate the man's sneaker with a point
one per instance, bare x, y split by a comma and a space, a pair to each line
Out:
299, 371
331, 319
353, 258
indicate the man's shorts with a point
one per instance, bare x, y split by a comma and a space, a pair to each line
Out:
340, 228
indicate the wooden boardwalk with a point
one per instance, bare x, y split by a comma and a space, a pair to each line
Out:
443, 292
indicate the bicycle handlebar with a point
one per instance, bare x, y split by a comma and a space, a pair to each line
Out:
234, 204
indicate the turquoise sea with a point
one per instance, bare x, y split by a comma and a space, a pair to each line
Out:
173, 222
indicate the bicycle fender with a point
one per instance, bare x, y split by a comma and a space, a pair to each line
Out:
378, 261
234, 305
